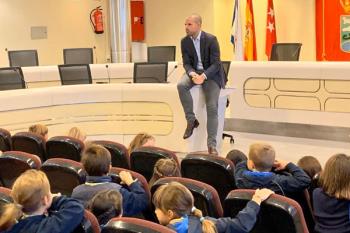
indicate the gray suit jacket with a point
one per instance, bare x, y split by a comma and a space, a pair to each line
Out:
210, 56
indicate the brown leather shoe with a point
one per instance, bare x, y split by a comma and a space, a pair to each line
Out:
190, 127
212, 151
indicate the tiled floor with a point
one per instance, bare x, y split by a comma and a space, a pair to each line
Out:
288, 148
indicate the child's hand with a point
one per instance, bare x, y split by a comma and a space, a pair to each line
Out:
56, 195
280, 165
261, 195
126, 177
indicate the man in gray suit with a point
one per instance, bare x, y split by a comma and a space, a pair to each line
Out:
201, 60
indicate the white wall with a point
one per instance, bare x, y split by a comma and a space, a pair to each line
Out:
69, 26
67, 23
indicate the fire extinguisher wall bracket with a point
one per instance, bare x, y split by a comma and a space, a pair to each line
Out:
96, 19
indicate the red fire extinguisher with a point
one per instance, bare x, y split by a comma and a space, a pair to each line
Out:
96, 18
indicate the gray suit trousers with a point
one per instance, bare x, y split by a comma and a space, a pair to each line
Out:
211, 92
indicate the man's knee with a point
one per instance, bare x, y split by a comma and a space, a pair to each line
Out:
212, 108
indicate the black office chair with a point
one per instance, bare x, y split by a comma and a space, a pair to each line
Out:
161, 53
75, 74
226, 66
150, 72
23, 58
285, 52
78, 56
11, 78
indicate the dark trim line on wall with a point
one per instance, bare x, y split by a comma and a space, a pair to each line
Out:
298, 130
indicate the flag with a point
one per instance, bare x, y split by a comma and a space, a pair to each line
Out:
236, 32
270, 29
249, 40
333, 30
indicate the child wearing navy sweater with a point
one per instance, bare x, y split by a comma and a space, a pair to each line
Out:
36, 209
174, 208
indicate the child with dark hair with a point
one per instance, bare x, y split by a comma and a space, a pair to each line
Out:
106, 205
236, 156
257, 172
174, 208
164, 168
332, 199
36, 209
96, 161
310, 165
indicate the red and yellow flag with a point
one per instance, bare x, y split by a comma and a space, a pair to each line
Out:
333, 30
249, 40
270, 29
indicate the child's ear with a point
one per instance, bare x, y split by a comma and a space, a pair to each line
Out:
250, 164
170, 214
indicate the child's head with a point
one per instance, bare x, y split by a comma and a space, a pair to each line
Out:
31, 195
105, 205
261, 156
96, 160
141, 139
310, 165
40, 130
335, 178
173, 201
164, 168
236, 156
75, 132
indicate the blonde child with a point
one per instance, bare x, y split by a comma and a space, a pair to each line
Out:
75, 132
164, 168
174, 208
141, 139
39, 129
36, 209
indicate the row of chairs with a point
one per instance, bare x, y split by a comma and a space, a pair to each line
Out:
72, 74
277, 214
220, 177
23, 58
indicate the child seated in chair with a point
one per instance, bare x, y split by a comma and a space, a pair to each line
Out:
96, 161
39, 129
263, 171
36, 209
105, 205
174, 209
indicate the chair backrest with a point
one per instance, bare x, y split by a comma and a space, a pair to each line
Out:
64, 175
5, 198
285, 52
150, 72
213, 170
23, 58
119, 153
161, 53
31, 143
5, 140
277, 214
89, 224
64, 147
143, 159
134, 225
75, 74
14, 163
11, 78
205, 196
303, 199
114, 173
78, 56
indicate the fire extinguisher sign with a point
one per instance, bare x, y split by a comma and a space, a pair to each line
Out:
137, 21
